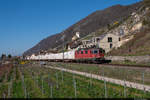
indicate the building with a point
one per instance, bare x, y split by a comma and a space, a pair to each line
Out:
77, 36
105, 41
86, 44
109, 41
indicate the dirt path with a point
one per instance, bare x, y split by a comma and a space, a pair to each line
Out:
115, 81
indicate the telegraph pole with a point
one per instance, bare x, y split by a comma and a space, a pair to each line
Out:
63, 38
63, 47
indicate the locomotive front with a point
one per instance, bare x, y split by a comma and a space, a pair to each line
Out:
90, 55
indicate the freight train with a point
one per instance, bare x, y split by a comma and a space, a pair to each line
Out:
89, 55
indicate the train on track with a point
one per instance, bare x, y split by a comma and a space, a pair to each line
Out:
85, 55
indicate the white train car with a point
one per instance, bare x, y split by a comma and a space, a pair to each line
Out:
51, 56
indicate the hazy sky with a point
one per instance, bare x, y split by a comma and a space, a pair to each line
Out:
23, 23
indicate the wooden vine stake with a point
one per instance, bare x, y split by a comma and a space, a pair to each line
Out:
51, 91
124, 89
57, 80
143, 80
9, 88
25, 91
62, 76
42, 87
4, 96
90, 79
75, 87
105, 88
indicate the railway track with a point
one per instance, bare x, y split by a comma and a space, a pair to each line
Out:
109, 64
126, 65
117, 65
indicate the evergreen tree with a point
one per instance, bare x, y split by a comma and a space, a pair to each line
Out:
9, 56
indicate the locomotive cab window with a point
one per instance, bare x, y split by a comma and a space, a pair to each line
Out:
81, 52
95, 51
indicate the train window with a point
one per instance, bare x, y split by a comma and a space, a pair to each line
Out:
81, 52
86, 52
95, 51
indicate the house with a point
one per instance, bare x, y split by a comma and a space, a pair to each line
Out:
77, 36
73, 45
109, 41
105, 41
86, 44
96, 40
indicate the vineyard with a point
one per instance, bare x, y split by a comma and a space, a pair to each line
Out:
137, 75
36, 81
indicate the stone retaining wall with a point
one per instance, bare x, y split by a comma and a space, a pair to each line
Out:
129, 58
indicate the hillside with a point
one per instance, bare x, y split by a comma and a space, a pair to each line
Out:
86, 26
139, 45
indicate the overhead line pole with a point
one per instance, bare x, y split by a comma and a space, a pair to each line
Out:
63, 45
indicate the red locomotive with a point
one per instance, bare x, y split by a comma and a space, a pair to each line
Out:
89, 55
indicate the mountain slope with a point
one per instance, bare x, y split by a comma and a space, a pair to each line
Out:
138, 46
91, 23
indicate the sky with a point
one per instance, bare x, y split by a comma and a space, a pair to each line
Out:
23, 23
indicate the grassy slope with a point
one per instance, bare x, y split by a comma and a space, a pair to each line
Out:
139, 45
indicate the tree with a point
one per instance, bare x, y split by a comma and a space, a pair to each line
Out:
3, 56
9, 56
